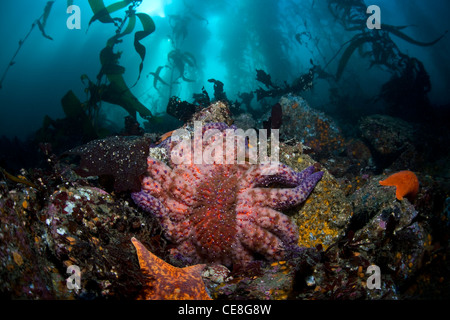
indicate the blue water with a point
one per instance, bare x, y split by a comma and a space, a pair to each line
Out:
229, 40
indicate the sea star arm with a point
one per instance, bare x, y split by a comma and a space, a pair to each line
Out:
177, 231
260, 240
159, 171
275, 222
278, 198
241, 254
221, 126
151, 186
169, 282
149, 203
284, 175
185, 180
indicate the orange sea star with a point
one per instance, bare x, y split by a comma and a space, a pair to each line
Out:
170, 283
406, 183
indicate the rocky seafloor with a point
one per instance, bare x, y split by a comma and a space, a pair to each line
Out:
58, 216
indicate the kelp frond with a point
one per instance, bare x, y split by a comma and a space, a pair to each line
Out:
40, 22
356, 42
396, 31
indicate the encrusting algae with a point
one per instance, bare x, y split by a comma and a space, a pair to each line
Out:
323, 216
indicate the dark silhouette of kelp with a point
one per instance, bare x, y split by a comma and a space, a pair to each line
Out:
157, 78
382, 49
115, 90
178, 60
82, 122
177, 67
298, 85
406, 91
40, 22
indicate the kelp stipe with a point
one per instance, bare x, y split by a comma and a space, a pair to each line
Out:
40, 22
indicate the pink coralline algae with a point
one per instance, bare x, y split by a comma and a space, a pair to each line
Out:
224, 213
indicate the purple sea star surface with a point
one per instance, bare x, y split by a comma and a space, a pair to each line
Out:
224, 213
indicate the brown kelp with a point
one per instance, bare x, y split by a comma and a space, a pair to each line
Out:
177, 59
302, 83
82, 122
179, 63
382, 49
40, 22
406, 91
157, 77
117, 92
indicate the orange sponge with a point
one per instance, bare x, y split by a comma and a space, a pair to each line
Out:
406, 183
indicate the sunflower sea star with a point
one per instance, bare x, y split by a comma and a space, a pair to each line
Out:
224, 213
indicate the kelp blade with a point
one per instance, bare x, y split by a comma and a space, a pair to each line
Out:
130, 27
43, 20
102, 13
47, 9
149, 28
401, 35
74, 110
118, 93
356, 42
